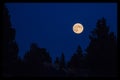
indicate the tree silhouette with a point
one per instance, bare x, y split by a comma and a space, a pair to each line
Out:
35, 59
76, 59
62, 61
101, 51
57, 63
57, 60
37, 55
10, 47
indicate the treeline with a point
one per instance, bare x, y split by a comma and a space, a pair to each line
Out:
100, 60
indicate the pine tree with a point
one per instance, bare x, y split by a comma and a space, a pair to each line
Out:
57, 63
100, 50
57, 60
62, 61
76, 59
10, 47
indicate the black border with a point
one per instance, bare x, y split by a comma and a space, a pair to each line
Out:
67, 1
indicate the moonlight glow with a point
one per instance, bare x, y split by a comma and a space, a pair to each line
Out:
78, 28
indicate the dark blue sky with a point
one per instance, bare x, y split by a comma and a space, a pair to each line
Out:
50, 24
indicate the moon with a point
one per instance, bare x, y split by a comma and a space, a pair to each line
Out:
77, 28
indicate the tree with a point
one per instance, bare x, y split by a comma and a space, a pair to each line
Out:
73, 63
57, 60
37, 55
10, 47
35, 60
57, 63
62, 61
46, 56
101, 50
76, 59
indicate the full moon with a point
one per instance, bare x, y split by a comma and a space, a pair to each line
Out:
77, 28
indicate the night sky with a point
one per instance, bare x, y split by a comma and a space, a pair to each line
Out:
50, 24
